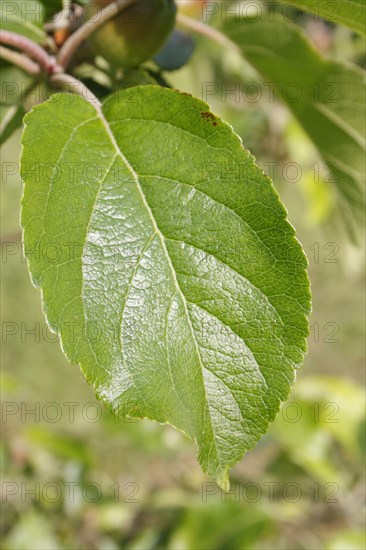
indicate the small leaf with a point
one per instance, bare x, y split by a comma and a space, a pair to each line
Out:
11, 117
326, 96
166, 264
24, 17
14, 84
351, 13
51, 8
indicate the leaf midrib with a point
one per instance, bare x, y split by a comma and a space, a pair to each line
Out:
113, 140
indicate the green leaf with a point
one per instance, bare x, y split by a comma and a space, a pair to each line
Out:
51, 8
11, 117
351, 13
326, 96
14, 84
185, 296
24, 17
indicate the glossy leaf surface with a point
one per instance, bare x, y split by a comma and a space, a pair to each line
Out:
166, 264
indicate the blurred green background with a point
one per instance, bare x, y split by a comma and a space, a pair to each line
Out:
74, 477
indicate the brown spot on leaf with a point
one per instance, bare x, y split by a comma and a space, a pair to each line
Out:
210, 117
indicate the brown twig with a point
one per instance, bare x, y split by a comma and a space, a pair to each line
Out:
32, 49
20, 60
44, 61
74, 85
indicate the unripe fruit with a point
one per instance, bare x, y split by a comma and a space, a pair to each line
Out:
136, 33
176, 51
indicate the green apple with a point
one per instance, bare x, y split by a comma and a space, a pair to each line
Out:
136, 33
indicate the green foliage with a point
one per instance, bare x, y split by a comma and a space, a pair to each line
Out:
13, 86
351, 13
24, 17
327, 97
11, 119
183, 259
177, 283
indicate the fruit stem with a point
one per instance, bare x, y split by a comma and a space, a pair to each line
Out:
74, 85
41, 60
89, 27
66, 10
206, 30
